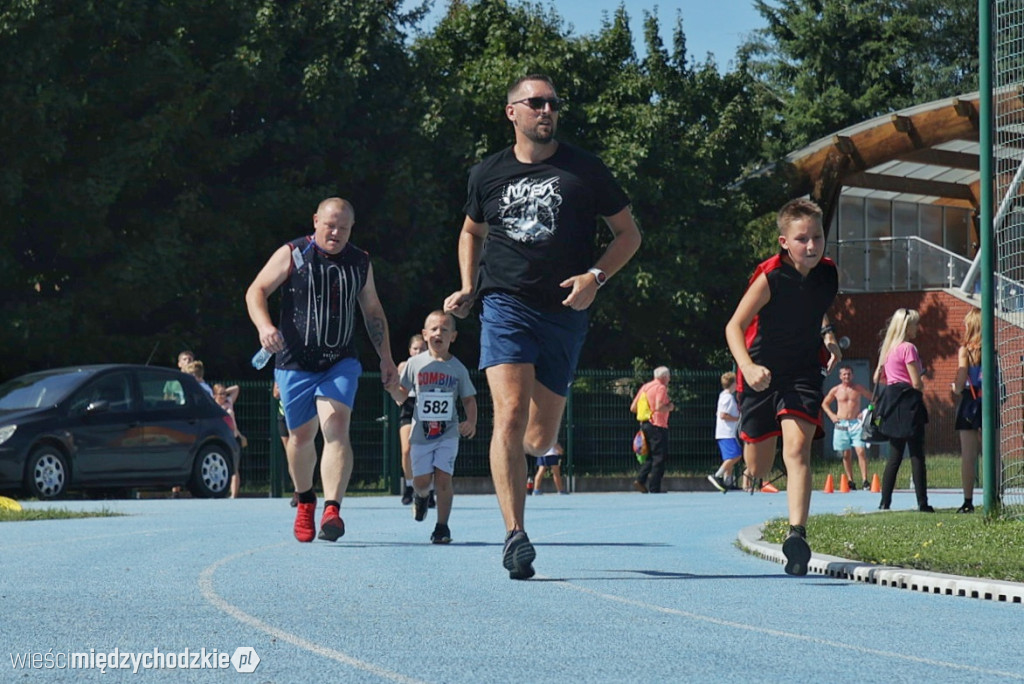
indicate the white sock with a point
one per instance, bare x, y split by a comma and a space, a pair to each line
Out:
720, 472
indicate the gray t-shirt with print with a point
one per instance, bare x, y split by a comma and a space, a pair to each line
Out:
437, 384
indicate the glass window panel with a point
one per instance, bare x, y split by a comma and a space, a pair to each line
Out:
930, 217
851, 218
904, 218
957, 231
879, 219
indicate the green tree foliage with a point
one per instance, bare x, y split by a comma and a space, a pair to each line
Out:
831, 63
156, 153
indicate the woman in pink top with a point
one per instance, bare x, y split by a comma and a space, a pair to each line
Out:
901, 405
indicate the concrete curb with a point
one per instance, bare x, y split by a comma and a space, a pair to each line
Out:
750, 540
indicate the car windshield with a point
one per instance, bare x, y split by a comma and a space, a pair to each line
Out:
39, 389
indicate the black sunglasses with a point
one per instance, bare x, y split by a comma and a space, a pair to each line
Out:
539, 102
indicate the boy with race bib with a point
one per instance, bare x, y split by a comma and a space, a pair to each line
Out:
438, 380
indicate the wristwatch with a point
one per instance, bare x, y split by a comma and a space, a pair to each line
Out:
601, 276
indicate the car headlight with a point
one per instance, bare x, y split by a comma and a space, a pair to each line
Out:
6, 431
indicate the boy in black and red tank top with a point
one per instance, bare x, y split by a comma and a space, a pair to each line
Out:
783, 345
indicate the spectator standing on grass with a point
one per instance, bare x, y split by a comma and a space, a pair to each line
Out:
901, 408
648, 479
846, 435
226, 398
526, 250
784, 346
727, 422
967, 386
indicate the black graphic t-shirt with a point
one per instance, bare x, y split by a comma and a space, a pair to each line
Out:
541, 220
318, 305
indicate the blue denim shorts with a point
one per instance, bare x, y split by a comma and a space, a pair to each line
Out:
512, 332
299, 389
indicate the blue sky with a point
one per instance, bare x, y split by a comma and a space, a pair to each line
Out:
715, 26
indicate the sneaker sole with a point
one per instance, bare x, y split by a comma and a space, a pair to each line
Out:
518, 560
798, 555
332, 531
717, 485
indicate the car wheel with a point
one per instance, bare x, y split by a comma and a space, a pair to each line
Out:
46, 473
211, 472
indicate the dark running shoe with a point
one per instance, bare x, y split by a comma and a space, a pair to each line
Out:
305, 528
295, 499
431, 503
797, 552
407, 496
332, 527
926, 509
518, 555
967, 507
718, 483
419, 508
866, 486
441, 534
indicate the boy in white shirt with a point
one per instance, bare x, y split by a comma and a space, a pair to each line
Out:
727, 421
438, 379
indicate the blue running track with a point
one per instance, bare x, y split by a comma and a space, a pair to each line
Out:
630, 588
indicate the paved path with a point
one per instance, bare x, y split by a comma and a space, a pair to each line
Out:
630, 588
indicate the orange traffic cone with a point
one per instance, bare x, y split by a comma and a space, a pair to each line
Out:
830, 485
844, 484
876, 486
769, 488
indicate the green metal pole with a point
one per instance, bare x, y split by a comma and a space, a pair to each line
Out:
986, 234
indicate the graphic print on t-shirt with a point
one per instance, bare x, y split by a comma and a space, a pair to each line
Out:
529, 209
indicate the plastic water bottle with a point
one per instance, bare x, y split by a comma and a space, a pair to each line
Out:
260, 358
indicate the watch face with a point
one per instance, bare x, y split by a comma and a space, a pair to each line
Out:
601, 277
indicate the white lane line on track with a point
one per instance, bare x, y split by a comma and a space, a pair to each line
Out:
782, 634
206, 588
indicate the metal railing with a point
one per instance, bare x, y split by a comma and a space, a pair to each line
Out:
896, 264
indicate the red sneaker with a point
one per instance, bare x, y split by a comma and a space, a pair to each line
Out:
304, 523
332, 527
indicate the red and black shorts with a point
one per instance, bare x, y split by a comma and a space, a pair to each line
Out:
796, 396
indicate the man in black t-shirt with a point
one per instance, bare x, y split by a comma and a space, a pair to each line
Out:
527, 251
323, 280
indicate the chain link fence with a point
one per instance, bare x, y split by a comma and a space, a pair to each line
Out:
597, 430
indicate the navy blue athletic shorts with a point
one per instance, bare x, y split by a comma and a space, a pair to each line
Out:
512, 332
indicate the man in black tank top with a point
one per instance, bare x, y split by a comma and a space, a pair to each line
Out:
323, 280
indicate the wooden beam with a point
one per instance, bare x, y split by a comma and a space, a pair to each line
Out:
911, 186
903, 124
957, 160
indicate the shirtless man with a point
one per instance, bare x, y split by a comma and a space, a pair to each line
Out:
846, 435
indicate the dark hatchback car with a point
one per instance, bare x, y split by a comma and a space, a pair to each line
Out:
110, 427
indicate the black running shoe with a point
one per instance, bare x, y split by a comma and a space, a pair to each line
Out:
441, 534
419, 508
967, 507
518, 555
407, 496
431, 503
718, 483
797, 552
